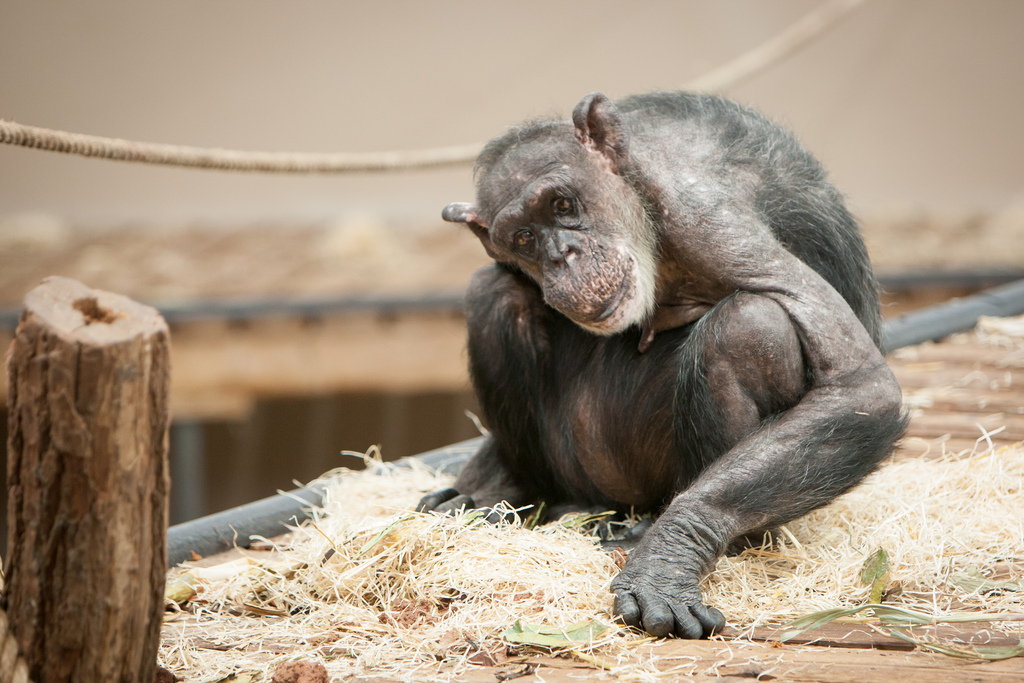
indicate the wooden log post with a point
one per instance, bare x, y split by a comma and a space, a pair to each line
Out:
88, 484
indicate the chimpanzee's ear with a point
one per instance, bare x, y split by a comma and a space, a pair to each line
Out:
461, 212
600, 127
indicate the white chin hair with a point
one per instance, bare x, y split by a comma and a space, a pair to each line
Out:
629, 312
636, 304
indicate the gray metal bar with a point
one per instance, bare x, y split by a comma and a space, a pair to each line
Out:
450, 459
225, 530
268, 517
241, 308
959, 315
917, 280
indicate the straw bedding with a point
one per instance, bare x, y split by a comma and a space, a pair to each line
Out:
369, 588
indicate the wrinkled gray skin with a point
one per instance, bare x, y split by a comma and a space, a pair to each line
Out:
634, 224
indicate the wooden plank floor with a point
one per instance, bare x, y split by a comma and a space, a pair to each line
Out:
964, 393
746, 661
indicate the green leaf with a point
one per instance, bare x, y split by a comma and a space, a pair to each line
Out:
553, 636
889, 615
975, 582
474, 516
579, 521
993, 654
236, 677
894, 617
876, 572
809, 622
900, 617
988, 654
384, 532
534, 519
180, 588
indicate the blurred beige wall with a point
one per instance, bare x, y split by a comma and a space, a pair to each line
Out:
912, 104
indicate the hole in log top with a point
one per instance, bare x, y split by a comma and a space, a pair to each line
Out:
91, 310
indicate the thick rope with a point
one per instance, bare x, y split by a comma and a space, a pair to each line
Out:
231, 160
806, 29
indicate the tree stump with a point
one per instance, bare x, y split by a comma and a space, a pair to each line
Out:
88, 484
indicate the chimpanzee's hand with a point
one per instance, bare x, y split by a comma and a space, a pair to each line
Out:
445, 501
659, 590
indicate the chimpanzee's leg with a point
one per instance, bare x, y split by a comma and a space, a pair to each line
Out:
740, 365
741, 371
508, 353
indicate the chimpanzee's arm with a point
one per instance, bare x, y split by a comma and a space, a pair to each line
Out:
837, 433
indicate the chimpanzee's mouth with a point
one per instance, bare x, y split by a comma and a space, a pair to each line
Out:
612, 305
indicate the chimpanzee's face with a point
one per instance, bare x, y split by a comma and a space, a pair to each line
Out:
564, 229
559, 215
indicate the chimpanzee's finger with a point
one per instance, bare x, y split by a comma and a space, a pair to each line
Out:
637, 531
498, 516
432, 500
657, 618
687, 625
454, 505
629, 612
712, 620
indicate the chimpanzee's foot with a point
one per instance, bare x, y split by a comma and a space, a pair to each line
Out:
449, 501
444, 501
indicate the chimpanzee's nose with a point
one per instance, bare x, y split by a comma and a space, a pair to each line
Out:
562, 248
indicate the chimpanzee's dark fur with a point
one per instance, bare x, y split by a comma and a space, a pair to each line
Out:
646, 339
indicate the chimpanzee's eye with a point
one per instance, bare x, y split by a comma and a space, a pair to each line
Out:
562, 206
524, 239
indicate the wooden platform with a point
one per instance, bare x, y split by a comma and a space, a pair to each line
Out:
965, 393
865, 662
835, 653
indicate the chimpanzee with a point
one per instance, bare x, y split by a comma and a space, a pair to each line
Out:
681, 318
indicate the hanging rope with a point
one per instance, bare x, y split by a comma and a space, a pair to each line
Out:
747, 65
232, 160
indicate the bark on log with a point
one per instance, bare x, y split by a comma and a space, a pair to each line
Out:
88, 484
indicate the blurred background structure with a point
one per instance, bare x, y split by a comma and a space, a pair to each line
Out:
320, 313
